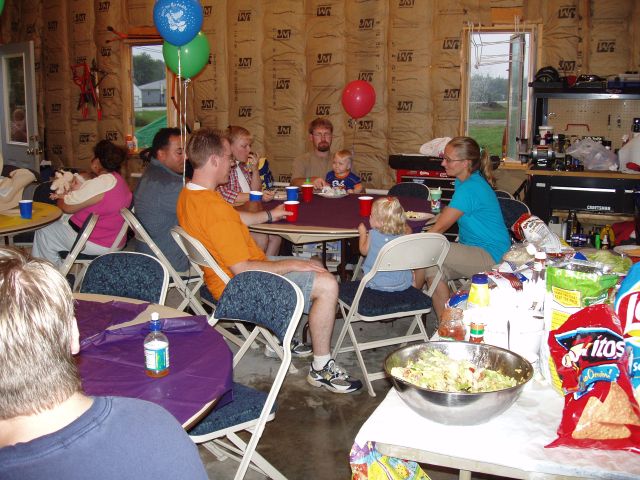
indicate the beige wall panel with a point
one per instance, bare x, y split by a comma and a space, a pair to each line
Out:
54, 32
446, 94
609, 47
561, 42
84, 137
82, 20
111, 97
140, 12
608, 9
112, 129
370, 149
506, 3
59, 146
56, 69
635, 40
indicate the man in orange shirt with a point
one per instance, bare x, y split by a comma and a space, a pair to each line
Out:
205, 215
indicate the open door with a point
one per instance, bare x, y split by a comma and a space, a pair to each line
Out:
514, 107
19, 120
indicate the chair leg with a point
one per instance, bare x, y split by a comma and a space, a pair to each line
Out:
363, 367
343, 333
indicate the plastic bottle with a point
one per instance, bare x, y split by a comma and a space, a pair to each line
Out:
131, 143
476, 332
156, 349
451, 325
539, 267
478, 301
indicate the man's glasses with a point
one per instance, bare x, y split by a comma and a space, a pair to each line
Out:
322, 135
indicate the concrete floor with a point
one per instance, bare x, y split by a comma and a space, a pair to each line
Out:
313, 431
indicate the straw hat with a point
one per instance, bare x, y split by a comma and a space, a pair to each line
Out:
11, 187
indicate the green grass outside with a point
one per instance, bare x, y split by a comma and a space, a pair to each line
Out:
147, 116
489, 137
479, 111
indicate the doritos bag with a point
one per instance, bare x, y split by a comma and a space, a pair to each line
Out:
590, 357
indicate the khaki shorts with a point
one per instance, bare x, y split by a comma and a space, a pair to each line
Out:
463, 261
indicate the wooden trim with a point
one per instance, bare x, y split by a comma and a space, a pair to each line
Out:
505, 15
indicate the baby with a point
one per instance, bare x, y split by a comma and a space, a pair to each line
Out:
82, 187
341, 177
387, 223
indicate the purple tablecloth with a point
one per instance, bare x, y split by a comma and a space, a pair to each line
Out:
344, 212
112, 363
94, 317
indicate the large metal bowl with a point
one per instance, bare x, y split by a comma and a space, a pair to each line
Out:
458, 408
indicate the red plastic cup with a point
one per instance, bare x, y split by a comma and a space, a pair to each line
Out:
307, 193
365, 205
292, 206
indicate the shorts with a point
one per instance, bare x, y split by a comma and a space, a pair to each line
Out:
463, 261
304, 280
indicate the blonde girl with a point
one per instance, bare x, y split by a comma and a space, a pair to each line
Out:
387, 223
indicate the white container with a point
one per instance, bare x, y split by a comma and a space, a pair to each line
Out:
630, 153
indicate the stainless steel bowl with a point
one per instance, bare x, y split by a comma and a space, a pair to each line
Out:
458, 408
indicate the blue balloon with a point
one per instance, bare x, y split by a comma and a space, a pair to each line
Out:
178, 21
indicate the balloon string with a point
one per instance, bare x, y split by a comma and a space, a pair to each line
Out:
183, 136
355, 131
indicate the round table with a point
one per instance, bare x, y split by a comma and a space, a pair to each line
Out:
43, 214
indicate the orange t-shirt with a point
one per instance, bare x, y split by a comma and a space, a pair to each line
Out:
205, 215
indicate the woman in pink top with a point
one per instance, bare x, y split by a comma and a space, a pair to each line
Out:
114, 195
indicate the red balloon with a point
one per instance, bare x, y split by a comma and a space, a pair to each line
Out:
358, 98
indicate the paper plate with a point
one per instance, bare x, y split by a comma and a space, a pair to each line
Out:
630, 250
418, 216
331, 195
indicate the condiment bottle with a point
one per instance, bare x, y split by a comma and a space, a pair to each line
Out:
156, 349
476, 332
478, 300
539, 266
451, 326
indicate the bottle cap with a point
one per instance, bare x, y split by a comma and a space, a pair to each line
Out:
154, 324
480, 278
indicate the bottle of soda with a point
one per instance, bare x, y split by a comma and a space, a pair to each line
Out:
156, 349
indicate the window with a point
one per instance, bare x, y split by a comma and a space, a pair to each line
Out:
498, 65
149, 92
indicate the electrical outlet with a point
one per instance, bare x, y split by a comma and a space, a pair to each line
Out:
196, 125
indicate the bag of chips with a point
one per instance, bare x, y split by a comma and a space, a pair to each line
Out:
599, 408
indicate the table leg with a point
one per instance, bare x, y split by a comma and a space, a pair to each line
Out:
464, 475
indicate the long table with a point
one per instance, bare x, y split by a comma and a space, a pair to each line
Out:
111, 358
510, 445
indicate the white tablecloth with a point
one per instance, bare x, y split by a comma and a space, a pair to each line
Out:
515, 439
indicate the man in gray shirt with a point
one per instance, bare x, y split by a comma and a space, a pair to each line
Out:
315, 165
157, 193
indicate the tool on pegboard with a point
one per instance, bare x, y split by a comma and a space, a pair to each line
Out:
87, 79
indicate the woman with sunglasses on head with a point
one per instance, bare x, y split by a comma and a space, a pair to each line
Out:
483, 236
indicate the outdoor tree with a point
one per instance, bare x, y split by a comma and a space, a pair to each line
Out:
146, 69
487, 89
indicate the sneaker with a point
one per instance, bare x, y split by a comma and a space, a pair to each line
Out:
333, 378
298, 349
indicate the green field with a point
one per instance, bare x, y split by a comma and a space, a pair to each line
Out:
481, 111
147, 116
489, 137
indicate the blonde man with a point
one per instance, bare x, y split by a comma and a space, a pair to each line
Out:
48, 427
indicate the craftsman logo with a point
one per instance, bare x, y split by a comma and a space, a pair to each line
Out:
103, 6
283, 83
452, 94
80, 18
283, 34
53, 68
244, 62
283, 130
324, 58
366, 24
366, 176
567, 11
406, 3
599, 208
451, 43
405, 56
207, 104
206, 10
56, 107
365, 125
31, 28
84, 138
57, 149
567, 65
366, 75
606, 46
105, 51
323, 11
108, 92
244, 16
404, 106
323, 109
111, 135
81, 59
52, 26
244, 112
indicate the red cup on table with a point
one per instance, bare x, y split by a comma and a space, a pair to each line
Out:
365, 205
292, 206
307, 193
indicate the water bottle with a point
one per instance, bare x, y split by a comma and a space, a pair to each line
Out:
156, 349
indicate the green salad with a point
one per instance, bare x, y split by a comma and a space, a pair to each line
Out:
436, 371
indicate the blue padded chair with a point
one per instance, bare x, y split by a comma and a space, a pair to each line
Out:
127, 274
361, 304
268, 301
512, 210
410, 189
503, 194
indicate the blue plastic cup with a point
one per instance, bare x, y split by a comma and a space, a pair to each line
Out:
255, 196
26, 209
292, 194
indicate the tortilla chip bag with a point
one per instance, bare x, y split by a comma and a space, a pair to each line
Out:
600, 410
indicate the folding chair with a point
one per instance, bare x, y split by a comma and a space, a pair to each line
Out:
512, 210
78, 245
269, 301
410, 189
358, 303
503, 194
200, 258
127, 274
186, 286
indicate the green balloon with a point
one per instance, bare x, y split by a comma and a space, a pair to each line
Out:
193, 56
1, 6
